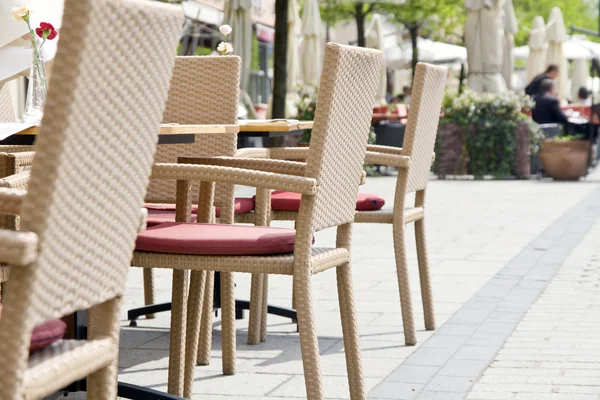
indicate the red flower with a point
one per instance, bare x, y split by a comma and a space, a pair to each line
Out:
46, 31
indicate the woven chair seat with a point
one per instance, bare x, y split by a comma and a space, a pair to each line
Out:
159, 213
66, 361
288, 201
321, 259
216, 239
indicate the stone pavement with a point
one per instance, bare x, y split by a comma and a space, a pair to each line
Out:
485, 242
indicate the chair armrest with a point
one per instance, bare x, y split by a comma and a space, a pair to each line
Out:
289, 153
18, 248
11, 200
390, 160
257, 164
238, 176
16, 181
384, 149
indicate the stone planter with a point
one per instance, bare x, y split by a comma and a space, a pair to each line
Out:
450, 159
565, 160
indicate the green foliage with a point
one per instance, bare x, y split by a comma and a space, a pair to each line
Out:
581, 13
489, 123
567, 138
306, 108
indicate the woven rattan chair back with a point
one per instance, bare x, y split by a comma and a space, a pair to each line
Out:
7, 109
204, 90
341, 127
94, 154
421, 128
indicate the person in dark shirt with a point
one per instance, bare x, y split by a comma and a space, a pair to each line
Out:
534, 88
547, 109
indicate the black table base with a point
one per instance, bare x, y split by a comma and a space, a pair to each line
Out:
240, 305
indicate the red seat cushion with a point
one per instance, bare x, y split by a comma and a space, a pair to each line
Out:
288, 201
215, 239
164, 212
45, 334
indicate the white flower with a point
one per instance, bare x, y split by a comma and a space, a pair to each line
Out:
225, 30
225, 48
20, 13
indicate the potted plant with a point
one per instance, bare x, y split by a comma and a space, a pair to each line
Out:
565, 158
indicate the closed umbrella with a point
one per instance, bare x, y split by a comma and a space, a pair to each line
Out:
536, 61
483, 39
311, 43
510, 29
293, 64
375, 40
238, 14
556, 34
580, 73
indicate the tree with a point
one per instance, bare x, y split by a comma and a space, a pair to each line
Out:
280, 59
334, 11
441, 18
580, 13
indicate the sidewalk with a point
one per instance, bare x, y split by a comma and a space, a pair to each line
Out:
555, 351
475, 230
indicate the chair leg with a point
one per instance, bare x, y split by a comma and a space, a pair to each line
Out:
256, 309
228, 323
177, 342
265, 306
149, 289
424, 275
350, 331
308, 335
410, 335
195, 299
205, 337
103, 321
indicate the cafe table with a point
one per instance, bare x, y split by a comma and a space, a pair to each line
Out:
24, 134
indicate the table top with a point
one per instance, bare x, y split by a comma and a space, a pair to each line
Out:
165, 129
177, 129
275, 125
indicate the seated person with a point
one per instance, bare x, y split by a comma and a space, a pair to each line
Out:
583, 96
535, 87
547, 109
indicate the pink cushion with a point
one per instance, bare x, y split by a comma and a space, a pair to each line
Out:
159, 213
215, 239
288, 201
45, 334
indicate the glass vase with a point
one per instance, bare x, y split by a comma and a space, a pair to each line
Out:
36, 89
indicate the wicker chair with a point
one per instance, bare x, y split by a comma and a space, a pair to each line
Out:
329, 182
413, 161
204, 90
12, 160
81, 213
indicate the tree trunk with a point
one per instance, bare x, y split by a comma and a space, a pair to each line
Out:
280, 59
360, 23
414, 35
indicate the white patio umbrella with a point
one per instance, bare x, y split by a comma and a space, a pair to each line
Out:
374, 39
556, 34
311, 43
483, 39
536, 60
238, 14
580, 74
510, 29
293, 63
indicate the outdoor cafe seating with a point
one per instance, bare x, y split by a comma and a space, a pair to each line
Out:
149, 169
